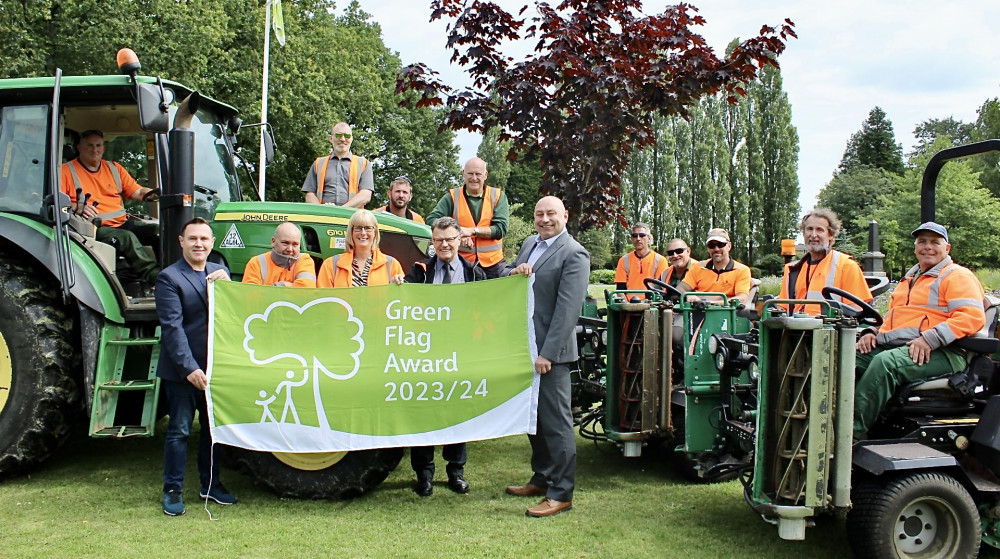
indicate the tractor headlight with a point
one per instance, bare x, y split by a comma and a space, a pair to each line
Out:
713, 344
720, 359
754, 370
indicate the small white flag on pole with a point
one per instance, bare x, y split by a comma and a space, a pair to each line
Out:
278, 22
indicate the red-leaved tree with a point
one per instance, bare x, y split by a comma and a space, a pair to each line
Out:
583, 102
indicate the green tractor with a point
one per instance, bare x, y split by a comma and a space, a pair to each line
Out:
76, 334
926, 483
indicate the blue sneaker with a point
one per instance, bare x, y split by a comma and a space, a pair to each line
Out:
172, 503
219, 494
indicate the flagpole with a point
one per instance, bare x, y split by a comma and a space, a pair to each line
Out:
262, 162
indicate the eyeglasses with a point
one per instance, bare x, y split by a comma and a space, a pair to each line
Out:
675, 251
714, 245
639, 235
365, 228
445, 240
342, 135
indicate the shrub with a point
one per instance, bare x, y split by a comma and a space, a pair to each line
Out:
770, 265
602, 277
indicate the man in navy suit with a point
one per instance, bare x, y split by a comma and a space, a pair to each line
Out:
446, 266
561, 268
182, 305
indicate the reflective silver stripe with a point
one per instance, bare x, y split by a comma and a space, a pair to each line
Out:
955, 304
109, 215
388, 267
262, 258
899, 336
116, 175
943, 332
831, 279
627, 260
482, 248
305, 275
118, 182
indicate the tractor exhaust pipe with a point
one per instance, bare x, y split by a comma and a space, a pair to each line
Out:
177, 201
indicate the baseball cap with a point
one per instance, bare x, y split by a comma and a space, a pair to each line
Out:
936, 228
719, 235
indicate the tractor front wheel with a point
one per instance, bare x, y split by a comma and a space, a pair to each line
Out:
926, 515
39, 392
332, 475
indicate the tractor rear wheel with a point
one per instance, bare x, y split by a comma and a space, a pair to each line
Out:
333, 475
925, 515
39, 392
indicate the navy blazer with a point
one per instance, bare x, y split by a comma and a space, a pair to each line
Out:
182, 305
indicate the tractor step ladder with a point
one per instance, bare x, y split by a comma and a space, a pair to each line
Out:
126, 372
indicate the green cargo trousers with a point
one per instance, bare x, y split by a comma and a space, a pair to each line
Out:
882, 371
128, 240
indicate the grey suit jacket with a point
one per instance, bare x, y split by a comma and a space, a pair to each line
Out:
561, 274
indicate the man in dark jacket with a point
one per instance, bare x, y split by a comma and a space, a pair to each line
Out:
182, 306
445, 267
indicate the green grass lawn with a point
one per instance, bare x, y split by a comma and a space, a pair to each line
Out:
102, 498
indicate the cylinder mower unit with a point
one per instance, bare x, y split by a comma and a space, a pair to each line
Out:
719, 385
804, 421
637, 403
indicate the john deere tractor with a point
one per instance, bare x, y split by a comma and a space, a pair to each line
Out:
77, 338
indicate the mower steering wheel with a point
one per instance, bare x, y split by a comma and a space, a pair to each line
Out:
867, 315
672, 293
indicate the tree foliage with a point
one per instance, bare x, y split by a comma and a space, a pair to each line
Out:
874, 145
987, 127
854, 194
583, 102
958, 132
215, 46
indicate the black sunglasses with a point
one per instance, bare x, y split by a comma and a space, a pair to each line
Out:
715, 245
639, 235
675, 251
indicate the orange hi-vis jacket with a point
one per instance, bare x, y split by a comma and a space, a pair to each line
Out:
733, 280
358, 166
410, 214
668, 275
107, 187
263, 271
337, 270
836, 269
941, 305
488, 251
632, 270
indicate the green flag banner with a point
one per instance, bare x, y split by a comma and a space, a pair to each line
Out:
278, 22
323, 370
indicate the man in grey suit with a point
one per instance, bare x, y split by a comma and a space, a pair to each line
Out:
561, 268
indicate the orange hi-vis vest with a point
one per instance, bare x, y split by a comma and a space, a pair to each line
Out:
836, 269
337, 270
105, 187
487, 251
632, 270
358, 166
263, 271
941, 305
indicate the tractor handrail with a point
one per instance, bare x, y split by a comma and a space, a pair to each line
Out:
929, 182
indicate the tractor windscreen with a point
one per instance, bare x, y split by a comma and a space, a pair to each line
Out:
214, 172
22, 158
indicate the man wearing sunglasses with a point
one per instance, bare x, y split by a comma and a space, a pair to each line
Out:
400, 194
341, 178
720, 273
444, 267
641, 263
679, 255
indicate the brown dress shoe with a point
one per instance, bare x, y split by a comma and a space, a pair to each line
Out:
548, 507
526, 490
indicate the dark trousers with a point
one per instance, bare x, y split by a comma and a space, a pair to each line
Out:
128, 241
422, 460
553, 447
493, 272
183, 399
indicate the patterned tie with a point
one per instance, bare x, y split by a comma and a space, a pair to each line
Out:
447, 273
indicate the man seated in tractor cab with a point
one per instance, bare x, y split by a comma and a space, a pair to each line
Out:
720, 273
822, 266
935, 303
96, 189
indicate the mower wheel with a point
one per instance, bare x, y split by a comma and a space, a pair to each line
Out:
927, 515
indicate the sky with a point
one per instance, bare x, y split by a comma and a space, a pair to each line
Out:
915, 59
